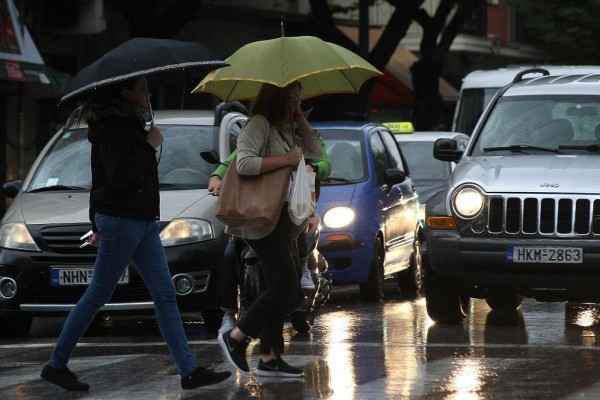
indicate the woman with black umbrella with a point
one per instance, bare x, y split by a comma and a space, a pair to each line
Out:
124, 211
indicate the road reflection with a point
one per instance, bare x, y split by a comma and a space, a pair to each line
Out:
356, 350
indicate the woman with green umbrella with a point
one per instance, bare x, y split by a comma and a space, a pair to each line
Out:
270, 131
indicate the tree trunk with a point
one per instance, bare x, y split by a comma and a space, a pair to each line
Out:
438, 35
428, 102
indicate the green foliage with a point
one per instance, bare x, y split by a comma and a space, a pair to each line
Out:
566, 30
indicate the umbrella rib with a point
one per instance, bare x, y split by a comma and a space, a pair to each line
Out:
184, 65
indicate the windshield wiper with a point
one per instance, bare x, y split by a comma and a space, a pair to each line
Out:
57, 188
518, 148
592, 148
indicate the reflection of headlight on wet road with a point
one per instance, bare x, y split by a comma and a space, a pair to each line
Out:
338, 217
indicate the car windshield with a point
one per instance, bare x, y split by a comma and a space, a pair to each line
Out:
423, 167
346, 151
66, 166
541, 125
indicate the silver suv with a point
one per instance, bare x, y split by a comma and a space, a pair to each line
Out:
43, 268
520, 215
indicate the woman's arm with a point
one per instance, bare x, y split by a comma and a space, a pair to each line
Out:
251, 142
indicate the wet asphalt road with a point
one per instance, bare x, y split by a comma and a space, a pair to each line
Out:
356, 350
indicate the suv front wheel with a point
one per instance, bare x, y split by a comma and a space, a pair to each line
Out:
444, 301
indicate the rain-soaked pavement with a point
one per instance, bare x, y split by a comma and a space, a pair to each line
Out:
356, 350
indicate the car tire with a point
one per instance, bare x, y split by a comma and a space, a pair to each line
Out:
503, 300
15, 326
372, 288
411, 279
444, 301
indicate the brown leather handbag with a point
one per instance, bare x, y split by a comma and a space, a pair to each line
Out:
252, 201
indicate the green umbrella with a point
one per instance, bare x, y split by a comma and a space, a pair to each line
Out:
321, 67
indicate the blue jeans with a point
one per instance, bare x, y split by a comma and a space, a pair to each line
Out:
123, 240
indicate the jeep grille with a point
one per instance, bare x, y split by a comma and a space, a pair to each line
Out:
546, 216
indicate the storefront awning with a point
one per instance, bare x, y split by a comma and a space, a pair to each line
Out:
20, 60
41, 74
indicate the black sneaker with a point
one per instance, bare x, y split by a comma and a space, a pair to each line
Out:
63, 378
235, 351
203, 377
278, 368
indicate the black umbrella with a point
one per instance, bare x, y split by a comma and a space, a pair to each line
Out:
162, 60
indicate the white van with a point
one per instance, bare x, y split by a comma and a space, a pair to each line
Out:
479, 87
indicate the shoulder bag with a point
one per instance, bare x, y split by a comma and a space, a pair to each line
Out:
252, 201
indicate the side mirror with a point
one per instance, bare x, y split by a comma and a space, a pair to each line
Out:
393, 176
446, 150
210, 156
11, 188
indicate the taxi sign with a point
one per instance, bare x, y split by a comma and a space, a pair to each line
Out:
400, 127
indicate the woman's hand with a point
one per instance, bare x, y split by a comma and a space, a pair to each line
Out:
213, 185
294, 155
297, 110
94, 239
154, 137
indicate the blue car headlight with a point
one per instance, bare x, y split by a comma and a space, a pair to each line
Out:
338, 217
186, 230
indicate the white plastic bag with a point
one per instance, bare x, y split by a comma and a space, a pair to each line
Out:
301, 205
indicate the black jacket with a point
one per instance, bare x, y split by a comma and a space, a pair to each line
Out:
124, 168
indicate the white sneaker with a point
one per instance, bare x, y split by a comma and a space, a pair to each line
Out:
306, 281
228, 323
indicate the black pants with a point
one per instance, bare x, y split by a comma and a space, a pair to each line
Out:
266, 316
230, 276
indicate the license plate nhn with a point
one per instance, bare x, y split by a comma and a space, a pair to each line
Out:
545, 255
74, 276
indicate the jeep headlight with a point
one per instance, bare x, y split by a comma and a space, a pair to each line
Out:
468, 202
186, 230
338, 217
16, 236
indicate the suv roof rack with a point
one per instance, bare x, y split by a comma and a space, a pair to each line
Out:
520, 75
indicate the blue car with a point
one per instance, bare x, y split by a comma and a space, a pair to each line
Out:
369, 208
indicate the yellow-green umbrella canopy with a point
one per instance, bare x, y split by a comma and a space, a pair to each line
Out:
321, 67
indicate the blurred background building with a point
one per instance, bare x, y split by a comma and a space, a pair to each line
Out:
44, 42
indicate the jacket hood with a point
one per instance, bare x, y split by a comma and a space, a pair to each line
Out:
94, 113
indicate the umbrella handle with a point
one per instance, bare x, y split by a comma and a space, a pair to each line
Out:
149, 102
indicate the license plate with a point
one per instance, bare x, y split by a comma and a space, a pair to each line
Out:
546, 255
74, 276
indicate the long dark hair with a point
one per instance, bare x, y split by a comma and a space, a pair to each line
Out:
273, 102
